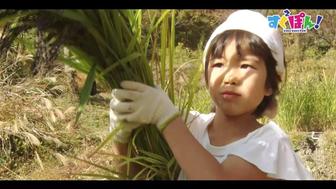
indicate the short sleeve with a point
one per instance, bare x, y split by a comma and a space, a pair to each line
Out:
273, 156
192, 115
197, 124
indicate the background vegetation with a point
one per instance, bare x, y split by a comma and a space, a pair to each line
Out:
38, 139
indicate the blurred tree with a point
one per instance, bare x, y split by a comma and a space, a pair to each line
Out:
194, 25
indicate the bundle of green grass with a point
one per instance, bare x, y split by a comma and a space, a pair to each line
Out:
110, 47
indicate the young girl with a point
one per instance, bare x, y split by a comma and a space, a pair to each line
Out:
244, 64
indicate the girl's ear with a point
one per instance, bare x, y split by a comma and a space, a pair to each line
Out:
268, 92
271, 109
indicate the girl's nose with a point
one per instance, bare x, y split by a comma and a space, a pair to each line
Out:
230, 78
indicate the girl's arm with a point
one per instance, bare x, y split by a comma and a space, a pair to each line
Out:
145, 104
198, 163
121, 140
121, 149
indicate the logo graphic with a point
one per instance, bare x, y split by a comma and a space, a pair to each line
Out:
299, 23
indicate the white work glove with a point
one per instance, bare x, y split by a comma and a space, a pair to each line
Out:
123, 135
144, 104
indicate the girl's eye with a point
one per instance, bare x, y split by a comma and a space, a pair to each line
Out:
217, 65
245, 66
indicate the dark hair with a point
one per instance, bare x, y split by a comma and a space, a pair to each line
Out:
253, 43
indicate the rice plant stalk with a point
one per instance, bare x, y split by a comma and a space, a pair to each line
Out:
109, 46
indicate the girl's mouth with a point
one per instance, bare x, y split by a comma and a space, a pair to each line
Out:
228, 95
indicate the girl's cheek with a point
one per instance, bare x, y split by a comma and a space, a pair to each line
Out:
215, 78
211, 80
248, 71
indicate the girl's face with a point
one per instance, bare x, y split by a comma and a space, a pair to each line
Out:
237, 81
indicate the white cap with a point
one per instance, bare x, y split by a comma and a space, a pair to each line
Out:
257, 24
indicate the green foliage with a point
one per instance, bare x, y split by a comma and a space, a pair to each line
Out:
308, 104
188, 64
202, 102
112, 48
312, 53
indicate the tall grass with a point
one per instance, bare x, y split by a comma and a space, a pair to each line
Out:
110, 46
189, 67
31, 125
309, 103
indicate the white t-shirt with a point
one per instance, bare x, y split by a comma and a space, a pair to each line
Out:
267, 147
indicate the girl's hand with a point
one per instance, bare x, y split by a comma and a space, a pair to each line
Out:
123, 135
143, 104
